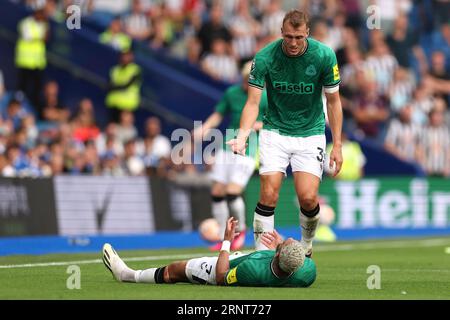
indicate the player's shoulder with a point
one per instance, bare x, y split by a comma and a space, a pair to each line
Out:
319, 49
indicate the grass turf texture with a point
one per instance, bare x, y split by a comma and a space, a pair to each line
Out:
410, 269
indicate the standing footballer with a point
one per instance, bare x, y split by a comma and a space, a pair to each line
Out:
294, 70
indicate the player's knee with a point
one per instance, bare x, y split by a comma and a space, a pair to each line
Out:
269, 197
309, 201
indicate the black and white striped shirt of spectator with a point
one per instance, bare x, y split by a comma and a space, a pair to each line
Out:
137, 24
403, 136
436, 145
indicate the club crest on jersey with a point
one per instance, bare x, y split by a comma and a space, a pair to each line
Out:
311, 70
294, 88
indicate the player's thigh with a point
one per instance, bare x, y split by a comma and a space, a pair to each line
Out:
202, 270
307, 189
309, 155
273, 152
241, 171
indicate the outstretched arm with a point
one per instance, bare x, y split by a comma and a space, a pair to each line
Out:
248, 118
223, 262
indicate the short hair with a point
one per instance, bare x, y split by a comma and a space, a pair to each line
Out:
292, 257
296, 18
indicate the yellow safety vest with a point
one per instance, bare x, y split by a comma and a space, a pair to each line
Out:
30, 47
124, 99
119, 41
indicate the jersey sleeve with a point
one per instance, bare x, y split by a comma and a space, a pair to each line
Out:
257, 73
330, 76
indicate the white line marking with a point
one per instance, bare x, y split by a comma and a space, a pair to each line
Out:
324, 248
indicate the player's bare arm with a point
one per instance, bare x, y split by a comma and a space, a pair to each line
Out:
334, 111
248, 118
223, 262
212, 122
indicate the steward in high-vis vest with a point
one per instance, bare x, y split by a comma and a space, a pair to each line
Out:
124, 87
30, 58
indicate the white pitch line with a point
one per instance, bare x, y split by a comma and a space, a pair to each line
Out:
337, 247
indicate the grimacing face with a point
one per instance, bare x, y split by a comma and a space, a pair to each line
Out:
294, 39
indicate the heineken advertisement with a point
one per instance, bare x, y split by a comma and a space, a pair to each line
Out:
369, 203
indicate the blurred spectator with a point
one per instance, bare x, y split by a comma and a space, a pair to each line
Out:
124, 87
403, 41
381, 64
51, 108
157, 148
440, 71
159, 39
14, 114
137, 24
125, 129
370, 111
423, 102
108, 141
115, 37
6, 170
245, 30
402, 88
435, 156
271, 21
132, 163
403, 136
83, 125
31, 59
213, 29
353, 166
220, 64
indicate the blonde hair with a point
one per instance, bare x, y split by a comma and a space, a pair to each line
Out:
292, 257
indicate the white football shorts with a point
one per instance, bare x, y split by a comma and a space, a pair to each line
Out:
203, 270
232, 168
305, 154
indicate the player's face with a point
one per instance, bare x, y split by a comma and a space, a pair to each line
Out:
294, 39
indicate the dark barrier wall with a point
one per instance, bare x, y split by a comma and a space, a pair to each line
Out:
97, 205
27, 207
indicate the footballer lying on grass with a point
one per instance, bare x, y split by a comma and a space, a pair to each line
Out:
284, 265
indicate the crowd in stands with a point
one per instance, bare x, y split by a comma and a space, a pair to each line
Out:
395, 85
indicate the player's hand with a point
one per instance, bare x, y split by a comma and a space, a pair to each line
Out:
238, 146
336, 160
271, 239
230, 230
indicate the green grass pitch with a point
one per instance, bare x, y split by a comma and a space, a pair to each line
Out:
409, 269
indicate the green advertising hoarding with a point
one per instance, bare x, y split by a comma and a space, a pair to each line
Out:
368, 203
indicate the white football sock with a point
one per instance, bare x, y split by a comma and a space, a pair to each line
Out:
309, 227
128, 275
237, 208
221, 213
262, 224
145, 276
